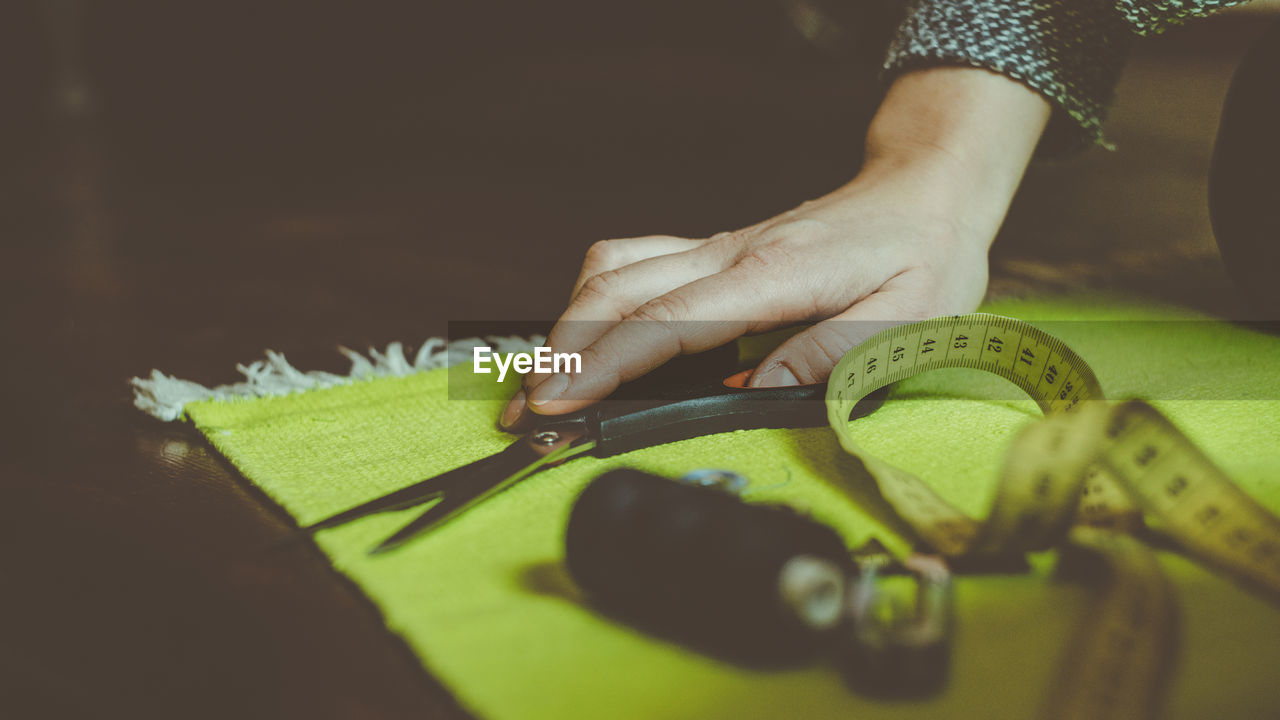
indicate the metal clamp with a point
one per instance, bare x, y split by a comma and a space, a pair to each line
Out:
893, 651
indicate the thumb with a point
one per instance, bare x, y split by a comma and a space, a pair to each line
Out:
809, 357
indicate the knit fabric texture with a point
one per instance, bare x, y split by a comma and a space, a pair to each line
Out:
1069, 51
486, 604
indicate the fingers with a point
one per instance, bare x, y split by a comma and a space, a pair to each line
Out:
514, 409
809, 356
698, 316
617, 277
611, 294
608, 297
607, 255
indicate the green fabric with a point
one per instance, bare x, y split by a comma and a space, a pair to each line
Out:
486, 605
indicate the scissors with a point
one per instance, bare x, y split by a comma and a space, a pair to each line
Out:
626, 421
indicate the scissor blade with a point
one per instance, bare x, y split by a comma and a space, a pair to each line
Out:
520, 465
421, 491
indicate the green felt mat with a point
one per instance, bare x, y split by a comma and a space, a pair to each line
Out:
486, 605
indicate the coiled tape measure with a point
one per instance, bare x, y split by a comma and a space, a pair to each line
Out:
1084, 478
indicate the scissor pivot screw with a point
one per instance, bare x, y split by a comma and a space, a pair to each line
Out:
546, 437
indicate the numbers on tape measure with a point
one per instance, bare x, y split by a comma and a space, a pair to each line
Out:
1039, 364
1097, 466
1105, 468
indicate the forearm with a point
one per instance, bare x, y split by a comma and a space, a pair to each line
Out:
961, 136
1069, 51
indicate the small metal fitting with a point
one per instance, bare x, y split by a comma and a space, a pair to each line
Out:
726, 480
546, 437
894, 651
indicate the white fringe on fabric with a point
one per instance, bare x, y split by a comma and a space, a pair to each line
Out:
165, 396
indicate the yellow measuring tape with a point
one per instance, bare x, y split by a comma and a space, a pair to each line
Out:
1085, 477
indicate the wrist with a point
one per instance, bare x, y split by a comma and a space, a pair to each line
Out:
964, 136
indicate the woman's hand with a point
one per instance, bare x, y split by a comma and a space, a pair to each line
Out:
907, 239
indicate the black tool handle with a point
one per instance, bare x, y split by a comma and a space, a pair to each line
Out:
622, 427
664, 406
696, 564
707, 410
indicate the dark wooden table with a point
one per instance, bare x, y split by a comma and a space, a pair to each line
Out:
184, 187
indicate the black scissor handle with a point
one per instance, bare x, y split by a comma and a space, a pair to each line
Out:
619, 426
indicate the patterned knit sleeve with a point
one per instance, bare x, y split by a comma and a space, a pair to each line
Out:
1069, 51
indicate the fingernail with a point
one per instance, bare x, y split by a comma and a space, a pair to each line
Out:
549, 390
775, 376
511, 413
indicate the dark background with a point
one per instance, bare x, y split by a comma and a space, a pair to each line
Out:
185, 184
